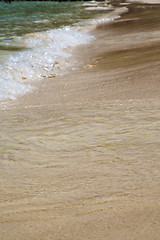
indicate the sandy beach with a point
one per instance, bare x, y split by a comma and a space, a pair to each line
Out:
80, 154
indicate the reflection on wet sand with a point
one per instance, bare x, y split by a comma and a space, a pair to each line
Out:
80, 156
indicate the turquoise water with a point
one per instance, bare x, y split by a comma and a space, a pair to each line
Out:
20, 18
34, 37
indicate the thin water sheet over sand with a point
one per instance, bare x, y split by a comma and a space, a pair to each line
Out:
80, 155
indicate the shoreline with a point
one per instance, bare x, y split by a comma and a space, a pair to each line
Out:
80, 155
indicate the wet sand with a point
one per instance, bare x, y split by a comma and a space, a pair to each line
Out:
80, 155
144, 1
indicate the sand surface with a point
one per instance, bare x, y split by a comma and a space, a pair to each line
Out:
145, 1
80, 154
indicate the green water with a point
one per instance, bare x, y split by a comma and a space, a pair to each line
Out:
20, 18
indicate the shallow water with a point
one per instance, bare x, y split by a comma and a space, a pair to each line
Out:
18, 19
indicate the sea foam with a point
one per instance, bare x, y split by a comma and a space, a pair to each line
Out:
47, 54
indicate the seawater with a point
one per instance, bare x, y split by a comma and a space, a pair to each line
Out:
35, 41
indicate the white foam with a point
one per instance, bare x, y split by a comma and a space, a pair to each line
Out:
104, 20
41, 21
94, 4
98, 8
45, 52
